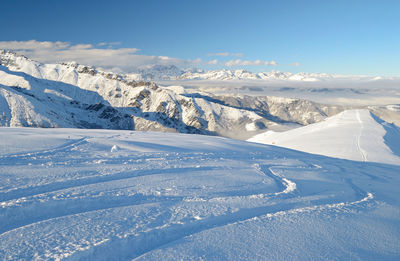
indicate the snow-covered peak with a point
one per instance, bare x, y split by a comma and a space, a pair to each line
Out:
241, 74
70, 72
6, 55
160, 72
353, 134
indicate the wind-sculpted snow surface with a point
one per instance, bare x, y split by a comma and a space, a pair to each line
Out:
112, 195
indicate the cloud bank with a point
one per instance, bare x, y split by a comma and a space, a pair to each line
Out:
108, 56
239, 62
225, 54
103, 55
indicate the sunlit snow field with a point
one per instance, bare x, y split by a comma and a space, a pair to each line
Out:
106, 195
352, 134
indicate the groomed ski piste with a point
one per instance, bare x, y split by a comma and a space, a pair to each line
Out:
126, 195
352, 134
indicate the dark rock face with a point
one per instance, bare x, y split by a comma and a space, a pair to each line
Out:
95, 107
87, 70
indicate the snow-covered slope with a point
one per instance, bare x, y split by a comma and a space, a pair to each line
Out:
72, 95
122, 195
353, 134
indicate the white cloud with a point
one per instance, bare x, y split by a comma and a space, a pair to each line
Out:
105, 56
226, 54
123, 59
32, 44
239, 62
196, 61
294, 64
273, 63
109, 45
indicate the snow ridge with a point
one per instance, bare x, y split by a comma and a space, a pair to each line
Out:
352, 134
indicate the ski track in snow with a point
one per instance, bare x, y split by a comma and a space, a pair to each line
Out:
362, 152
59, 186
44, 152
25, 208
288, 185
250, 214
174, 233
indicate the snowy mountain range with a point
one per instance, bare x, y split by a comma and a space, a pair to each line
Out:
171, 72
247, 75
33, 94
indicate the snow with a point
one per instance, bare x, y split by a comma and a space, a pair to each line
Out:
251, 126
69, 95
240, 74
352, 134
110, 195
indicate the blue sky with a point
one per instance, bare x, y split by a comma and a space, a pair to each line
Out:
344, 37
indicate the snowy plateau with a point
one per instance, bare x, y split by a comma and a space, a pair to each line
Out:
120, 191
